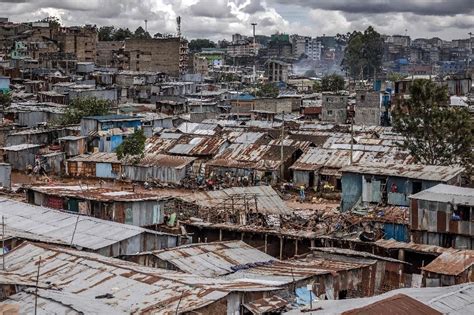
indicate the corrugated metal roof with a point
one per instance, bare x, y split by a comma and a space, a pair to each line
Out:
198, 129
452, 262
21, 147
423, 172
96, 193
198, 146
246, 137
79, 277
164, 160
106, 118
252, 156
447, 193
268, 200
98, 157
91, 233
212, 259
455, 300
399, 304
272, 304
393, 244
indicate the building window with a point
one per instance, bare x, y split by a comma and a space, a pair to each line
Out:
330, 113
461, 213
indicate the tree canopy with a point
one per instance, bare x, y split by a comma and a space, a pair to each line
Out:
133, 146
268, 90
435, 133
363, 54
5, 99
53, 21
196, 45
83, 107
109, 33
332, 83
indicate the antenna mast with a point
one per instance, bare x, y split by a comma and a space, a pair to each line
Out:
178, 21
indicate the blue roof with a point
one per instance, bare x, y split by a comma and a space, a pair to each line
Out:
113, 117
243, 97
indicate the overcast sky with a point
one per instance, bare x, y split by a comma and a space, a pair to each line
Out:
216, 19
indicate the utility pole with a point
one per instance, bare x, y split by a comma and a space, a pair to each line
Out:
282, 166
254, 53
74, 232
37, 283
352, 140
3, 242
146, 25
470, 50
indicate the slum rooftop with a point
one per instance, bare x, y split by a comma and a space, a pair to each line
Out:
447, 194
53, 226
89, 283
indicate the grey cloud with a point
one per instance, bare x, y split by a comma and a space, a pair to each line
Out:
211, 9
420, 7
253, 6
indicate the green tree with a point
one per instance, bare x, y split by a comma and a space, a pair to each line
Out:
52, 20
332, 83
133, 146
196, 45
317, 87
5, 99
395, 76
268, 90
435, 133
106, 33
83, 107
363, 54
140, 33
122, 34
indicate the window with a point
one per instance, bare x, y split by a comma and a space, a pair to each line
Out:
362, 98
330, 113
107, 139
461, 213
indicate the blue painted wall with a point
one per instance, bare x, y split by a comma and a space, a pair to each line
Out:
351, 190
398, 232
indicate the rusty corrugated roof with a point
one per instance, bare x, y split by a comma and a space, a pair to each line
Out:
451, 262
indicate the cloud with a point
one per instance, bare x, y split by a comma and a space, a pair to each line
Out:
217, 19
420, 7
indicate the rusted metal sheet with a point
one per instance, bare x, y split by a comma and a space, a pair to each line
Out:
273, 304
451, 262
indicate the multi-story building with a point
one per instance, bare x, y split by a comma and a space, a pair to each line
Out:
81, 41
313, 48
367, 108
334, 107
278, 71
168, 55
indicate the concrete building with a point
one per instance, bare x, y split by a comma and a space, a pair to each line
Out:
442, 215
277, 71
81, 41
334, 107
5, 176
367, 108
168, 55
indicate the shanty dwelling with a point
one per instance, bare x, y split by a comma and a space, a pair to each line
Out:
98, 165
110, 140
155, 121
450, 268
443, 215
93, 124
88, 283
5, 176
73, 145
39, 224
53, 163
392, 184
394, 270
36, 136
21, 156
433, 301
331, 277
259, 163
33, 114
139, 209
159, 167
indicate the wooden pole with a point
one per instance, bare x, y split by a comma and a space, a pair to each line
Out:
74, 232
37, 283
3, 242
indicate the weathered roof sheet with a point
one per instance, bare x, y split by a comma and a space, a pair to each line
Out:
423, 172
96, 193
272, 304
198, 146
447, 193
98, 157
454, 300
452, 262
106, 118
252, 156
164, 160
84, 277
268, 200
393, 244
399, 304
212, 259
21, 147
91, 233
198, 129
